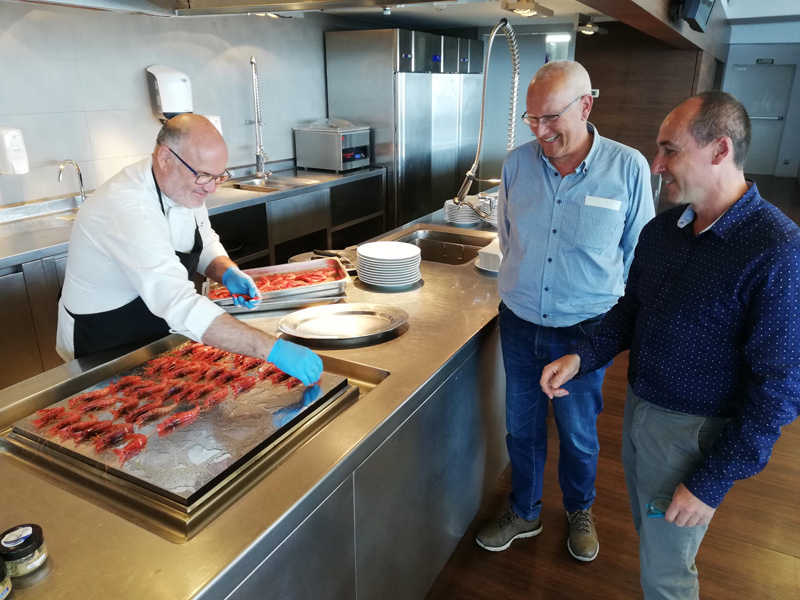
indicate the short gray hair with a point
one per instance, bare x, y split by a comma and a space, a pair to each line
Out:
722, 115
172, 133
573, 72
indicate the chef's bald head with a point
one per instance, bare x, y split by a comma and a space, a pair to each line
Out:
188, 127
564, 74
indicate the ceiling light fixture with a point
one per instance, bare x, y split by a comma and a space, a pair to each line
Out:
588, 27
387, 10
527, 8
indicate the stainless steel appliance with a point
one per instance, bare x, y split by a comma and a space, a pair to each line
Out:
420, 93
332, 145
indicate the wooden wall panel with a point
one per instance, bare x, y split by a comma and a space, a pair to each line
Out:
641, 79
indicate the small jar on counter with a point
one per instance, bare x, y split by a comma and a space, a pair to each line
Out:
5, 581
23, 549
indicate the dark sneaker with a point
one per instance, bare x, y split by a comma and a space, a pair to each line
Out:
582, 543
497, 535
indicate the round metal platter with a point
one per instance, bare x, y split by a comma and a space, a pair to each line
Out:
343, 322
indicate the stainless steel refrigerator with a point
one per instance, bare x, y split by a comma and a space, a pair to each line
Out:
421, 94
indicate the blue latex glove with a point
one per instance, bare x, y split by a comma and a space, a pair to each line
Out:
242, 288
298, 361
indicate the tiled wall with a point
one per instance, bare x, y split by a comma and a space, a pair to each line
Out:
73, 80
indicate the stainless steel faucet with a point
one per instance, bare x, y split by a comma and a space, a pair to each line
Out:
461, 196
261, 157
80, 176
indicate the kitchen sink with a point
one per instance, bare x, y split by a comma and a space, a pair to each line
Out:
444, 244
273, 183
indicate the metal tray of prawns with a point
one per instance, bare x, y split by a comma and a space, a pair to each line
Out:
188, 445
315, 286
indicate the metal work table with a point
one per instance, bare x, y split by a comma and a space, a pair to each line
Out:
48, 234
427, 439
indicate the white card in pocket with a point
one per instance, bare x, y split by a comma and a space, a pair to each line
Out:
603, 202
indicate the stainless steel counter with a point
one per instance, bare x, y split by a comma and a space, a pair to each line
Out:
95, 553
48, 235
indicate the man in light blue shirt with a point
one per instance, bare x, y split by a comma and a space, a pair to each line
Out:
571, 207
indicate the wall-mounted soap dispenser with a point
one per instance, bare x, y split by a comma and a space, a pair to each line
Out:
13, 157
170, 91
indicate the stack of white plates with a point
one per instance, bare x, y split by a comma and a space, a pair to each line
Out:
388, 264
461, 213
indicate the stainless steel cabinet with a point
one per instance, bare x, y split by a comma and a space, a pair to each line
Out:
20, 351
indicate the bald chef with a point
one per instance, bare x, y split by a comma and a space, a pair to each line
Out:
136, 245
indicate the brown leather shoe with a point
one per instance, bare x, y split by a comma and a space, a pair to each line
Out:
582, 543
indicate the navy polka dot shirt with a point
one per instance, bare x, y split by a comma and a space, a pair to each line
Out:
713, 325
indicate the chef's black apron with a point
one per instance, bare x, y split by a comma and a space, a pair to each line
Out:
133, 322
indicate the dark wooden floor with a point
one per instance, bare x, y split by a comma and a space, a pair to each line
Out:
751, 551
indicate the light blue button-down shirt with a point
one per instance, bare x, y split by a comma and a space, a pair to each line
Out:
568, 242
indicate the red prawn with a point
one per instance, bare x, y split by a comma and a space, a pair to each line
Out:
150, 390
216, 398
243, 384
155, 413
95, 395
266, 370
208, 373
181, 419
48, 415
116, 435
137, 442
199, 390
135, 414
278, 377
98, 404
188, 349
69, 419
190, 368
97, 428
128, 381
128, 404
69, 430
228, 376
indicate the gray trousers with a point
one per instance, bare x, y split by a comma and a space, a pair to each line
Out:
659, 449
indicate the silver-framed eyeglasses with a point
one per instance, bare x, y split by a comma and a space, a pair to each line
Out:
203, 178
547, 119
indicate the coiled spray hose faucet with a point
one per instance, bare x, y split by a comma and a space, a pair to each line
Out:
512, 115
261, 157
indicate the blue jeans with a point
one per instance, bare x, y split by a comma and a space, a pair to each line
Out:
527, 348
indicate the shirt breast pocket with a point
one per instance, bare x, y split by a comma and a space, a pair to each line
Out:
599, 224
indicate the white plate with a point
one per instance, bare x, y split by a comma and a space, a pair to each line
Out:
484, 269
389, 251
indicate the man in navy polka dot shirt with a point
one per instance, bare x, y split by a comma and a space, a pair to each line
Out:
710, 317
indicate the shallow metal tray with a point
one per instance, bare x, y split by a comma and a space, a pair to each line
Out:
187, 463
312, 290
353, 322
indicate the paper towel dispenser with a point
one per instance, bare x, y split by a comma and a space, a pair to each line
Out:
170, 91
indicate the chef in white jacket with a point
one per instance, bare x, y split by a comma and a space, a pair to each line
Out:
135, 246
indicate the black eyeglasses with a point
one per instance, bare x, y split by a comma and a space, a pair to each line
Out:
202, 178
547, 119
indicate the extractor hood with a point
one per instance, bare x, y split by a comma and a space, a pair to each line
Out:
210, 7
218, 7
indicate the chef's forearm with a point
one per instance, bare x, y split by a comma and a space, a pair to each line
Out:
229, 334
217, 267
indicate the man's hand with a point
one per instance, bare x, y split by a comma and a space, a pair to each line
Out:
242, 288
557, 373
687, 510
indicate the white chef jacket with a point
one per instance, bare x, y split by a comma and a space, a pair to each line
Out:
122, 246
